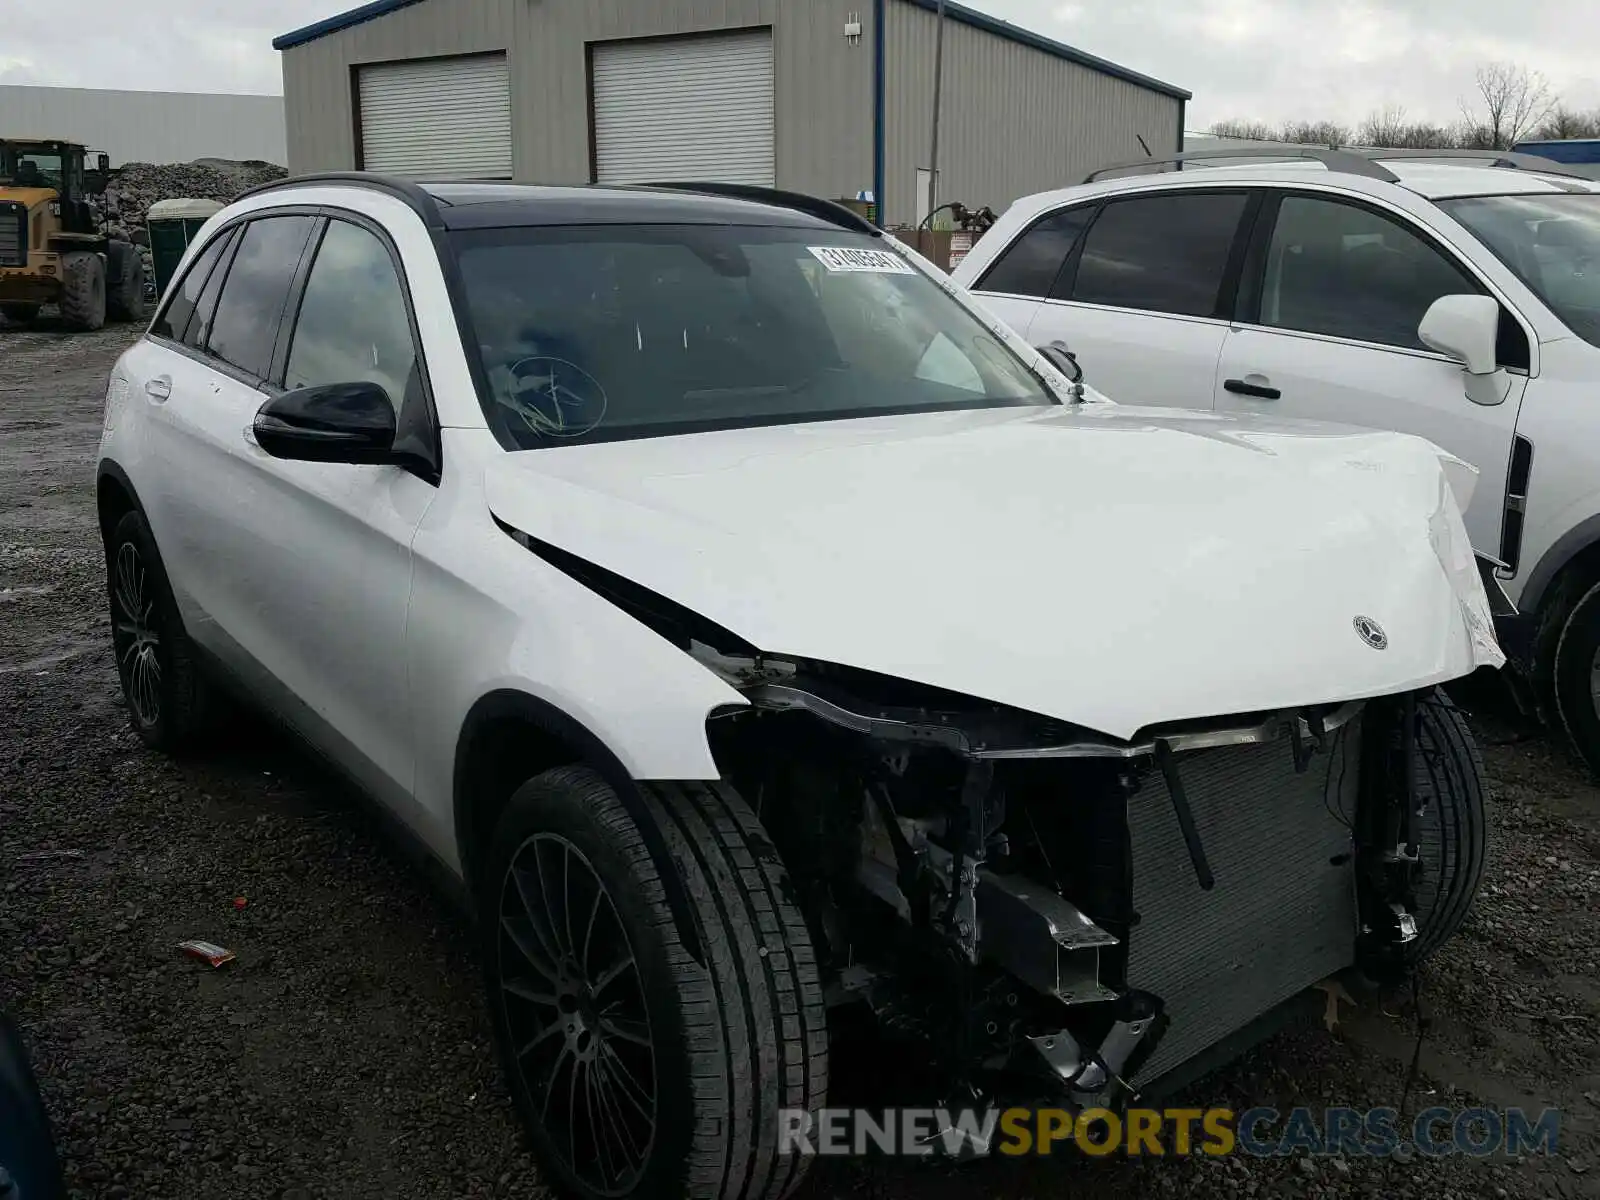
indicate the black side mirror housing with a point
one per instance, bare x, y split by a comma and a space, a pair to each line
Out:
333, 423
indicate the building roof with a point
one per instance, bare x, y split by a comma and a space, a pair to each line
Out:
956, 12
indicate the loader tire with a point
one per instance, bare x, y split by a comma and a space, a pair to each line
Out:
648, 1060
125, 299
83, 291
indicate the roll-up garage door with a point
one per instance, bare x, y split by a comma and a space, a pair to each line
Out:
437, 118
684, 108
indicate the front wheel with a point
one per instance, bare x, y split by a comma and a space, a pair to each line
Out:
83, 291
1577, 678
641, 1065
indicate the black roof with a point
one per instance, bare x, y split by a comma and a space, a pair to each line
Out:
494, 205
491, 205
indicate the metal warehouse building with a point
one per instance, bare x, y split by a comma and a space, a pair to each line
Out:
832, 97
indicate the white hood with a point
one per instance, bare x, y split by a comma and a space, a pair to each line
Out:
1106, 566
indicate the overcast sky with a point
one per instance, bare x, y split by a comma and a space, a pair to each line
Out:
1275, 60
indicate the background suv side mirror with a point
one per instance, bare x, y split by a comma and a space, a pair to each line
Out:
1466, 328
335, 422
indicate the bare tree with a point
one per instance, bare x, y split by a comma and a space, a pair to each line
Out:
1316, 133
1253, 131
1383, 127
1510, 101
1424, 135
1563, 122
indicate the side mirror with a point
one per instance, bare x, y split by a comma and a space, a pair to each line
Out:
1063, 360
1466, 328
334, 423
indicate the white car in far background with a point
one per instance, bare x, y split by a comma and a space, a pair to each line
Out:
1451, 295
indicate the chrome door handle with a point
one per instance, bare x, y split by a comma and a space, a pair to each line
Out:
159, 388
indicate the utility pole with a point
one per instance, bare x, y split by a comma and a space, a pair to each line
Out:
938, 95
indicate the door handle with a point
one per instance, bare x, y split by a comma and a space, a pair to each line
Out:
159, 388
1240, 388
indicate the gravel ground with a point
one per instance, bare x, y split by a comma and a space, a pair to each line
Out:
346, 1052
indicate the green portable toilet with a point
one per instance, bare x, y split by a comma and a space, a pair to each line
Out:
172, 224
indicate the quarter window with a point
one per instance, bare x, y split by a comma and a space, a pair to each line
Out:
1337, 269
353, 325
1166, 253
250, 309
174, 319
1029, 266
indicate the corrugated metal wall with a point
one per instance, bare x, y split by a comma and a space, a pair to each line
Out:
317, 85
159, 127
823, 84
1014, 119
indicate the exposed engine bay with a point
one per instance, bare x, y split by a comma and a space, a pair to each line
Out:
1062, 916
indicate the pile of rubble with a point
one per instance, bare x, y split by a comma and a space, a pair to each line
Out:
136, 186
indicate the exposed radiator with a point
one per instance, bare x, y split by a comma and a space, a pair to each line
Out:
1282, 914
13, 235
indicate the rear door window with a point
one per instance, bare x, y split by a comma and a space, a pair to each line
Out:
1165, 253
1029, 266
250, 308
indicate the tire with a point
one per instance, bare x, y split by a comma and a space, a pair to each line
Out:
166, 694
20, 314
83, 291
728, 1043
1576, 678
1452, 831
125, 299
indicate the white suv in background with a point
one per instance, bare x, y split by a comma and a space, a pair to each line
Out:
1455, 299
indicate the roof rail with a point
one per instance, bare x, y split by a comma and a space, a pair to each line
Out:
420, 199
1509, 159
1347, 161
825, 210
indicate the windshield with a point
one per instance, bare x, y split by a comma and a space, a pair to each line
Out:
596, 333
1551, 242
29, 168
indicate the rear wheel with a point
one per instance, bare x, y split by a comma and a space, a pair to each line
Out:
125, 298
83, 291
162, 685
638, 1069
20, 314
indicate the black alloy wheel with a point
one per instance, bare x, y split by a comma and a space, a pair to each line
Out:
574, 1004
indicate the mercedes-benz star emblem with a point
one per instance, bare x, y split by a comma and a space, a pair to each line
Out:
1371, 633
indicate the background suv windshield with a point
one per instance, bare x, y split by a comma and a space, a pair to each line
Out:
1551, 242
605, 332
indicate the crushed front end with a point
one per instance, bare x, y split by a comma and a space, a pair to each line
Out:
1069, 918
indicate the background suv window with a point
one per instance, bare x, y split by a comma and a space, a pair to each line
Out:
1168, 253
353, 324
1349, 272
1031, 263
253, 295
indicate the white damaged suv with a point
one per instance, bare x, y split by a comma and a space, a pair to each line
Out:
753, 625
1450, 294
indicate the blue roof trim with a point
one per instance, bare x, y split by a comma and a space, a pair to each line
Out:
1015, 33
333, 24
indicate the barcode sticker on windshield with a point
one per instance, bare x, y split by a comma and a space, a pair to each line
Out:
847, 258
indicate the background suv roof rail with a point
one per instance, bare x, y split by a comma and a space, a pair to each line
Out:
1350, 162
1489, 158
424, 202
826, 210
